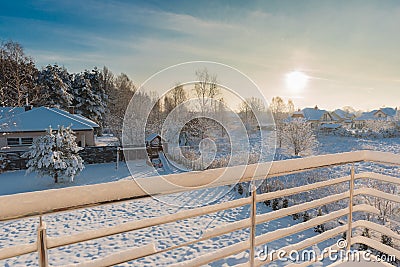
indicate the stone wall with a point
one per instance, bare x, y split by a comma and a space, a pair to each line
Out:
12, 160
99, 154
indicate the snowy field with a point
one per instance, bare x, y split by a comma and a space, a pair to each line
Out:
21, 231
18, 181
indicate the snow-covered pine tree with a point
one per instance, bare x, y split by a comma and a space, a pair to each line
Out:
55, 154
95, 77
55, 87
90, 99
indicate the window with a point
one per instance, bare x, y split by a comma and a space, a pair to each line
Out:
26, 141
13, 141
19, 141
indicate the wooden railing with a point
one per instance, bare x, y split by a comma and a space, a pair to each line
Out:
36, 204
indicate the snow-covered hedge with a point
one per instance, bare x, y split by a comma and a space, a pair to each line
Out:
367, 133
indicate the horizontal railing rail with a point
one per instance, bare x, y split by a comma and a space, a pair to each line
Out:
36, 204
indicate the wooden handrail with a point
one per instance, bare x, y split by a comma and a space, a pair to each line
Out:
35, 203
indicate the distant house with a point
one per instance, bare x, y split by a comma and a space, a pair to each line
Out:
315, 116
344, 118
19, 125
382, 114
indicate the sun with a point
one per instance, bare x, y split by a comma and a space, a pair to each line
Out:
296, 80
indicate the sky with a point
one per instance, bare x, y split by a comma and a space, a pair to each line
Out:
349, 49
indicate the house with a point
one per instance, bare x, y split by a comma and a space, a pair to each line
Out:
382, 114
343, 117
19, 125
315, 116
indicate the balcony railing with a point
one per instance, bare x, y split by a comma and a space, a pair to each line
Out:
36, 204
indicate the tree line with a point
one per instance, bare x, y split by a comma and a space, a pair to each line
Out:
96, 94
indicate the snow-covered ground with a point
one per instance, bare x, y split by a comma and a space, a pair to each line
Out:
22, 231
13, 182
17, 232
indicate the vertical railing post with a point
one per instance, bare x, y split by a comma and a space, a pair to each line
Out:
350, 216
42, 244
117, 163
253, 223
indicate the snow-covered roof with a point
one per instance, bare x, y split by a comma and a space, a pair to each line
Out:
367, 116
312, 114
343, 114
370, 115
150, 137
389, 111
41, 118
330, 126
78, 117
6, 112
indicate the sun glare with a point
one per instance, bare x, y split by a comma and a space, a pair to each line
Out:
296, 80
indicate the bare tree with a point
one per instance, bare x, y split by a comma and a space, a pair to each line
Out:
17, 75
120, 91
250, 110
206, 89
279, 111
298, 137
290, 107
174, 98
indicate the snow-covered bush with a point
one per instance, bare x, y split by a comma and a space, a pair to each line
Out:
3, 163
55, 154
372, 130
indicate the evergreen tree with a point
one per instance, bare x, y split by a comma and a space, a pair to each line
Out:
55, 85
240, 189
55, 154
99, 90
306, 216
366, 234
89, 99
295, 216
285, 203
275, 204
321, 227
387, 240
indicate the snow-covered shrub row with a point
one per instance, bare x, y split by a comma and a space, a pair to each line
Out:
367, 133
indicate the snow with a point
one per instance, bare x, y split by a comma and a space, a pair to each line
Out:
6, 112
165, 163
173, 233
14, 182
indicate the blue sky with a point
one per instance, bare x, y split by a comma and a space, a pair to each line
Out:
350, 49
